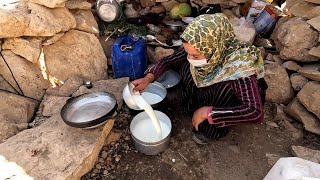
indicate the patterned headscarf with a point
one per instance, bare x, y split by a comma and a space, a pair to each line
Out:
228, 58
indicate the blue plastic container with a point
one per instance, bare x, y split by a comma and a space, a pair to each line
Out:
129, 57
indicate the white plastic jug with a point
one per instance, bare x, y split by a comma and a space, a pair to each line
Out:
293, 168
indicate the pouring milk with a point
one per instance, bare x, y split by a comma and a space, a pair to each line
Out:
143, 104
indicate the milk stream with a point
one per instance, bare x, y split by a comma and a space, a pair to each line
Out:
143, 104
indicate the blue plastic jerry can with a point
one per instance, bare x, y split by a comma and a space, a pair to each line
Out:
129, 57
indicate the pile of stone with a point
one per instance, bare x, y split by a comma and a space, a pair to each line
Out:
62, 33
293, 75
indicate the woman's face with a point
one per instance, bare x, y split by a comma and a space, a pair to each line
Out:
193, 54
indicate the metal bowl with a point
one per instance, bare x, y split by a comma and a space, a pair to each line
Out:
155, 88
89, 110
150, 148
108, 10
169, 79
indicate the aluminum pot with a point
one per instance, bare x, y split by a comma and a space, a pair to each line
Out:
155, 88
151, 148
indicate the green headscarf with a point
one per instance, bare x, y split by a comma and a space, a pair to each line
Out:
228, 58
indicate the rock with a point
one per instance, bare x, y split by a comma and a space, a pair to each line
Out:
13, 19
272, 124
309, 96
15, 108
113, 86
311, 71
26, 73
279, 86
50, 3
52, 39
51, 105
269, 57
85, 21
107, 47
298, 82
147, 3
290, 3
158, 9
296, 110
272, 158
315, 51
162, 52
41, 21
295, 133
47, 22
39, 150
277, 59
15, 112
243, 30
78, 4
198, 4
306, 153
112, 137
169, 5
291, 46
263, 52
28, 47
305, 10
76, 54
315, 22
7, 130
6, 86
313, 1
68, 88
291, 65
278, 114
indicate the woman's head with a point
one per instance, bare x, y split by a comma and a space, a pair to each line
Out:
206, 36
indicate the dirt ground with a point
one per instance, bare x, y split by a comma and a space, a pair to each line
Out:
241, 155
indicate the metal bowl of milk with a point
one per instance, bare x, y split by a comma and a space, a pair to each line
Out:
154, 94
146, 138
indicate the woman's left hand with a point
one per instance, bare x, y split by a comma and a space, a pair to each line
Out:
199, 116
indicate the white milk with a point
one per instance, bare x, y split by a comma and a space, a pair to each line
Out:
145, 131
151, 98
142, 104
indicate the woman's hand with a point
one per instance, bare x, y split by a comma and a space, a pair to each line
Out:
142, 84
199, 116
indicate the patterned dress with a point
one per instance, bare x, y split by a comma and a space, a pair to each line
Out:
232, 102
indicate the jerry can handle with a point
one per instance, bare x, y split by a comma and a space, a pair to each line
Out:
125, 48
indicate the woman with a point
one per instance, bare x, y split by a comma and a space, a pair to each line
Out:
219, 77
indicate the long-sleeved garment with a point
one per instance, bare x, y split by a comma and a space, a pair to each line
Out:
231, 102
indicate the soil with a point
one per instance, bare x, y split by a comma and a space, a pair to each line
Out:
247, 153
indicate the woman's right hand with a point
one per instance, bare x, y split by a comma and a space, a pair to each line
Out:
142, 84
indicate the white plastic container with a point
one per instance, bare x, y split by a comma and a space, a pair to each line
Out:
255, 9
293, 168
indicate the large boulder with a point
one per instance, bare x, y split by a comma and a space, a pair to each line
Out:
169, 4
294, 38
291, 65
311, 71
78, 4
15, 114
28, 75
279, 86
52, 105
147, 3
52, 39
50, 3
309, 96
113, 86
85, 21
305, 10
313, 1
27, 47
298, 81
35, 20
297, 111
77, 53
54, 150
306, 153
